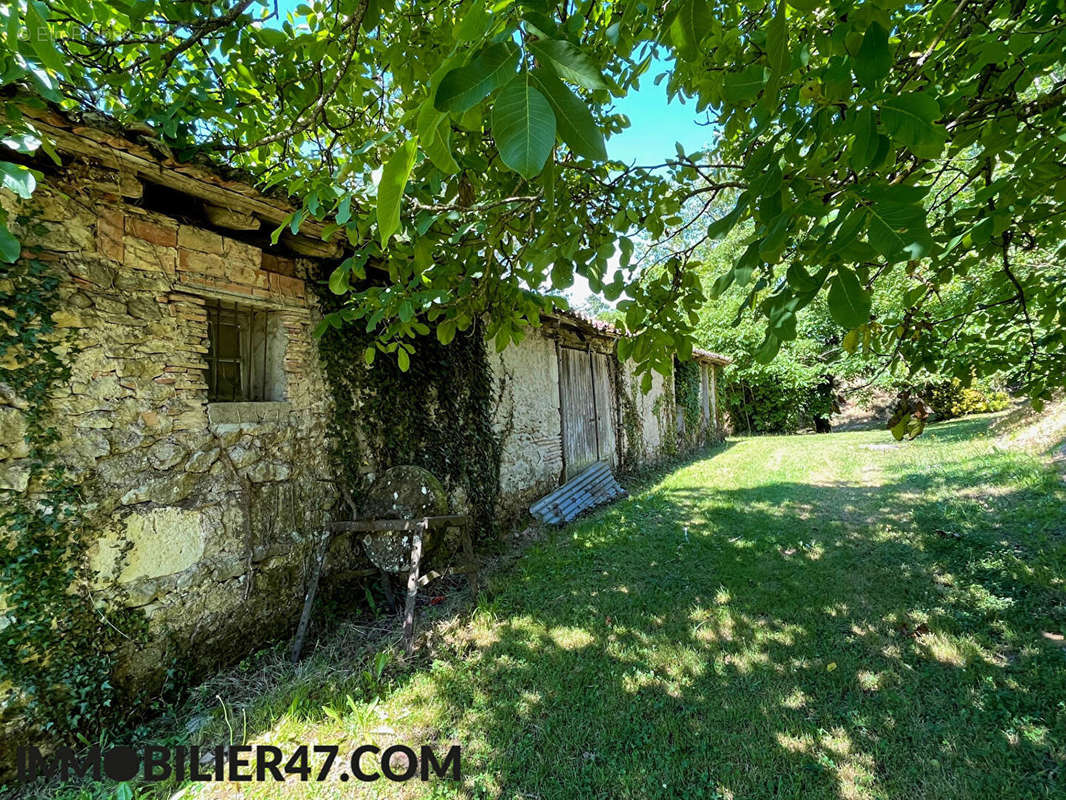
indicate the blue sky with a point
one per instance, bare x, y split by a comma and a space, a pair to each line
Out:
655, 123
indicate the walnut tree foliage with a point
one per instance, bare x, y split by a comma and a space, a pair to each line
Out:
463, 147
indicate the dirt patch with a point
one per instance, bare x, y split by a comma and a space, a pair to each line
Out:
864, 410
1035, 432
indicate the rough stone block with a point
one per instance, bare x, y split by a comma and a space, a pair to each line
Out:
91, 444
154, 232
284, 285
165, 454
161, 542
140, 308
154, 422
149, 257
282, 266
202, 460
164, 491
13, 442
198, 263
199, 239
240, 253
244, 454
14, 475
109, 234
123, 440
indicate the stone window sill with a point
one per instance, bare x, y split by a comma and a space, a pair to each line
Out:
236, 413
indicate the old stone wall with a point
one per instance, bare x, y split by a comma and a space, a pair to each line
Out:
203, 513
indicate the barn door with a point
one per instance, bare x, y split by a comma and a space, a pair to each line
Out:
586, 400
601, 385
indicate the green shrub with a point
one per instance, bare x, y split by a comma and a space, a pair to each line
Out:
949, 398
780, 397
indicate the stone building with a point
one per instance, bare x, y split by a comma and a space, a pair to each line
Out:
195, 417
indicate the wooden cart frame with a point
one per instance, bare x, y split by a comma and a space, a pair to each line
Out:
418, 528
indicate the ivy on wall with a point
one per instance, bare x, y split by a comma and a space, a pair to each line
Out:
632, 450
438, 414
57, 645
687, 385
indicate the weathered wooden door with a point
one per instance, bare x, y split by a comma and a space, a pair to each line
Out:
604, 391
587, 409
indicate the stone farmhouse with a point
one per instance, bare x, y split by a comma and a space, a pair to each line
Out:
196, 418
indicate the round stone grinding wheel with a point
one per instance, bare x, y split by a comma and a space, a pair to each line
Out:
404, 492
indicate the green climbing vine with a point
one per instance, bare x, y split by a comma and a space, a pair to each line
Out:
632, 425
438, 414
55, 650
687, 395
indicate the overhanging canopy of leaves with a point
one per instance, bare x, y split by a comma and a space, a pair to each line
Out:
464, 146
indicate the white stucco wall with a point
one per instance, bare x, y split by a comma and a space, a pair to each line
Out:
528, 412
654, 409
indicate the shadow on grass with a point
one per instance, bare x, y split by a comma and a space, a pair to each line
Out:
785, 640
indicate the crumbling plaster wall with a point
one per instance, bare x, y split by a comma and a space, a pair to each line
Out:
527, 418
655, 412
204, 512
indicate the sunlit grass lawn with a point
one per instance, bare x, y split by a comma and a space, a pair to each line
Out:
805, 617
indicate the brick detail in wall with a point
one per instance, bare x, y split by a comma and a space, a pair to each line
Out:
196, 258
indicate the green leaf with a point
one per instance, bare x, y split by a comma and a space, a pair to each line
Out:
368, 355
41, 40
465, 87
344, 210
691, 23
574, 120
10, 249
436, 140
799, 279
898, 230
19, 179
851, 341
390, 191
402, 359
900, 428
523, 125
569, 63
849, 304
562, 275
547, 181
848, 231
910, 119
445, 331
474, 24
744, 85
720, 227
768, 349
23, 142
777, 55
864, 146
873, 61
338, 280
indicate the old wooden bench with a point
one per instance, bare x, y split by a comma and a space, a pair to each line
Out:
418, 528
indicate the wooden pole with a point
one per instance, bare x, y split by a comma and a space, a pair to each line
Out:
309, 600
468, 550
412, 587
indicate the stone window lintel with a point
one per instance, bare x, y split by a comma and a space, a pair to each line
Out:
240, 412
